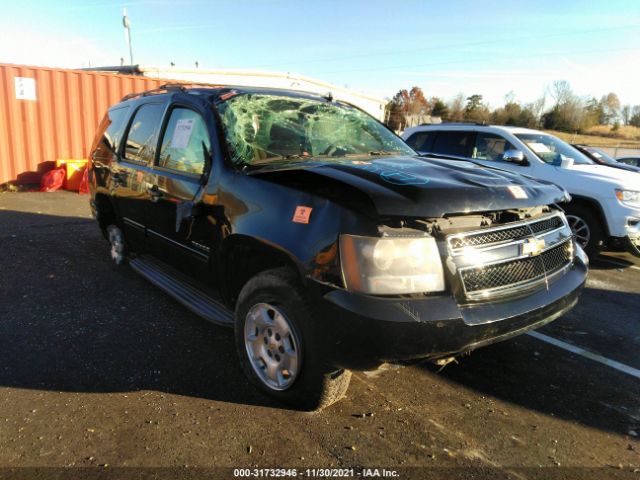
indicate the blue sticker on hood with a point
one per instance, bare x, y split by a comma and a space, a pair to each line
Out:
393, 175
402, 178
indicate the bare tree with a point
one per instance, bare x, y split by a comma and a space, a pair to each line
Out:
635, 116
537, 107
510, 97
456, 108
625, 114
611, 106
561, 92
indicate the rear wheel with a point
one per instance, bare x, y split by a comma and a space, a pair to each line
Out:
276, 345
587, 228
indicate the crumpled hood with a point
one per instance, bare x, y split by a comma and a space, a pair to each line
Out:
425, 187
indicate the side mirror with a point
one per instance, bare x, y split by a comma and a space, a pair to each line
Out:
566, 162
515, 156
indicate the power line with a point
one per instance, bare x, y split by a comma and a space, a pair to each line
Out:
510, 40
476, 59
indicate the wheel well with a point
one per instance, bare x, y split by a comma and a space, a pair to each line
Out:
105, 212
244, 258
593, 206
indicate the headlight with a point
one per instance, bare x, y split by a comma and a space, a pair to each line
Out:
629, 197
388, 266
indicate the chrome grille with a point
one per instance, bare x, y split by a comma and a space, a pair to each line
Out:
505, 234
501, 260
517, 271
546, 225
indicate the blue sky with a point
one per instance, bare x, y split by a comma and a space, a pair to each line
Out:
444, 47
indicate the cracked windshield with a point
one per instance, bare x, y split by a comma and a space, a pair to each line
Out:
262, 129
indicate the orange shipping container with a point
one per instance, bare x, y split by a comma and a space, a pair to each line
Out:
50, 113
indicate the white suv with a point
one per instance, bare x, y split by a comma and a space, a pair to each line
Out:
605, 205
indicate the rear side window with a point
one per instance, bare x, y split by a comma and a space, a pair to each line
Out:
185, 142
110, 132
142, 138
453, 143
490, 146
421, 141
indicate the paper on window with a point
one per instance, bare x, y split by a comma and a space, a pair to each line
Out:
538, 147
182, 133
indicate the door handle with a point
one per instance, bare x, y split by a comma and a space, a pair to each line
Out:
118, 178
154, 193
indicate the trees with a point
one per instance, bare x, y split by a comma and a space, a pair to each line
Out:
625, 114
397, 110
635, 116
456, 108
611, 108
514, 114
568, 112
439, 108
475, 110
418, 104
561, 92
406, 105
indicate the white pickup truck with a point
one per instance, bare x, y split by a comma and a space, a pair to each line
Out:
605, 205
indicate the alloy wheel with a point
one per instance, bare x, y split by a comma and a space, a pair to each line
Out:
580, 229
272, 346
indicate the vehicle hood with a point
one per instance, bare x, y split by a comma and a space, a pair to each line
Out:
424, 187
622, 166
616, 176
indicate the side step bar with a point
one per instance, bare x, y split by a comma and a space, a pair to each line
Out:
180, 288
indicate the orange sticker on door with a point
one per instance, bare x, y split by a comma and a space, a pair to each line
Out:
302, 214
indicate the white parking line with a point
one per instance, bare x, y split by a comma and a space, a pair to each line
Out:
634, 372
618, 264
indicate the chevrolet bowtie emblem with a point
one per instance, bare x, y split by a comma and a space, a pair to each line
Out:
533, 246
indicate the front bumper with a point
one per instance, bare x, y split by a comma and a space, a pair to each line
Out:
359, 331
623, 223
632, 239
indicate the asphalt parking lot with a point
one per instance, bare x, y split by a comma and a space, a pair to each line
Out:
101, 370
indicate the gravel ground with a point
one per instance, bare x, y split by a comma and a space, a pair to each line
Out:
104, 376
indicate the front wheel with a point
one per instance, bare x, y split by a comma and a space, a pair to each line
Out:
276, 345
586, 228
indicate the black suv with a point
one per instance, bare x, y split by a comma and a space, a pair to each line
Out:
321, 237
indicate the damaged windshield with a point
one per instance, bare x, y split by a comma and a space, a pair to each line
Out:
263, 128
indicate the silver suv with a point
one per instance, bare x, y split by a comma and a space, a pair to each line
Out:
605, 205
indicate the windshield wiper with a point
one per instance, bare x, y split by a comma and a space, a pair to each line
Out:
382, 152
276, 160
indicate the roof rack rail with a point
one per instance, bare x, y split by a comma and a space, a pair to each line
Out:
167, 87
481, 124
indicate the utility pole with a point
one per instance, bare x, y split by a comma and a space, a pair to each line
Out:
127, 33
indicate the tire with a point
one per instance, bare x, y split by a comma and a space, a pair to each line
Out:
274, 321
118, 248
587, 228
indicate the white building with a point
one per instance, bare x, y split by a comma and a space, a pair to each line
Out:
253, 78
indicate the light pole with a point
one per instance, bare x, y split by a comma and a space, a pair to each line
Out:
127, 33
